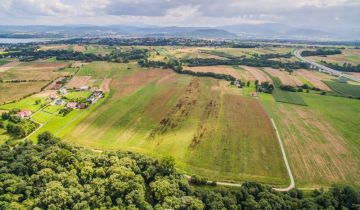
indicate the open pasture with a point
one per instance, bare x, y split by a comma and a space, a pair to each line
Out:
344, 88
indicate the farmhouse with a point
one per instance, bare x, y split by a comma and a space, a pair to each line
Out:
71, 105
52, 96
63, 91
59, 102
23, 114
82, 106
97, 94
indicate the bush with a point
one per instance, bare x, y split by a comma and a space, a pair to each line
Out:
198, 180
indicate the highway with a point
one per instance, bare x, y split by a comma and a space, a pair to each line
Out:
323, 68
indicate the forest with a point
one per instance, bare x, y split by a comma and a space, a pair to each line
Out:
54, 175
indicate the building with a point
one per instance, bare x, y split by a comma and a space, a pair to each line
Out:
82, 106
71, 105
97, 94
83, 88
63, 91
52, 96
59, 102
24, 114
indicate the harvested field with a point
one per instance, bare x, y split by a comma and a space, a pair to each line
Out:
257, 74
14, 91
55, 84
44, 93
321, 143
8, 66
78, 64
34, 71
78, 81
105, 85
228, 70
285, 77
314, 79
79, 48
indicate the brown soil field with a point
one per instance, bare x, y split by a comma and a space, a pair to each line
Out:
257, 74
316, 151
78, 81
130, 83
313, 78
45, 93
79, 48
8, 66
285, 77
105, 85
15, 91
216, 69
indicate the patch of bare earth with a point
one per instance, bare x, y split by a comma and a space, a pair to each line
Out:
317, 152
217, 70
313, 78
45, 93
257, 74
105, 85
8, 66
128, 84
180, 111
79, 48
355, 74
285, 77
78, 81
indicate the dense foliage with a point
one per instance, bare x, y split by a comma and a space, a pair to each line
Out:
321, 52
345, 67
54, 175
16, 126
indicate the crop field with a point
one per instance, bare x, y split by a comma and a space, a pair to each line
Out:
288, 97
344, 88
40, 70
257, 74
285, 77
313, 78
228, 70
205, 124
78, 81
7, 65
14, 91
321, 142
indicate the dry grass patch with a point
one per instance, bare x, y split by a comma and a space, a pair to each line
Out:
313, 78
8, 66
78, 81
257, 74
285, 77
14, 91
317, 152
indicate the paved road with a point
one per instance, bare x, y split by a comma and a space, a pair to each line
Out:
297, 54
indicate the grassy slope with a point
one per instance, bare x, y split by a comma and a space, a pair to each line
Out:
321, 141
132, 122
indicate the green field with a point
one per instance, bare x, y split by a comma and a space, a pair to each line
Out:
344, 88
78, 94
28, 103
160, 113
3, 61
288, 97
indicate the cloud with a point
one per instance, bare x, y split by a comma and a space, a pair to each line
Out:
312, 13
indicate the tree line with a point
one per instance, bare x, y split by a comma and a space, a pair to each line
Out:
55, 175
345, 67
321, 52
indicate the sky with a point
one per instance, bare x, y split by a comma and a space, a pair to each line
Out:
309, 13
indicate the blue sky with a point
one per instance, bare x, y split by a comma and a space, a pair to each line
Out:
310, 13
